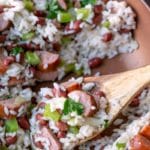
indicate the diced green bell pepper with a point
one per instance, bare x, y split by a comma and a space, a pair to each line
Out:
32, 58
64, 17
28, 36
74, 129
83, 13
106, 24
11, 125
55, 116
28, 4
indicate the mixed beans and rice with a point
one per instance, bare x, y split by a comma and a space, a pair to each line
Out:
44, 41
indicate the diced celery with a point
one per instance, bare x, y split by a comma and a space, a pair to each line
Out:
28, 4
65, 40
106, 24
120, 146
11, 125
64, 17
79, 72
28, 36
69, 68
74, 129
83, 13
55, 116
32, 58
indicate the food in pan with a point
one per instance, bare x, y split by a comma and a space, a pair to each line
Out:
75, 36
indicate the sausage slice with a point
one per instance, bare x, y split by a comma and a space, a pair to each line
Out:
90, 106
4, 24
10, 105
46, 76
139, 142
49, 61
53, 141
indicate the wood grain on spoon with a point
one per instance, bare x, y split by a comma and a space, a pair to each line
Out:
120, 89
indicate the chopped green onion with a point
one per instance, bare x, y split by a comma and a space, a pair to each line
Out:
15, 51
55, 116
28, 36
72, 106
74, 129
106, 24
32, 58
28, 4
11, 125
69, 68
120, 146
106, 124
83, 13
64, 17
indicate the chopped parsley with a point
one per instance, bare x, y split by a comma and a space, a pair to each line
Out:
120, 146
15, 51
72, 106
53, 9
86, 2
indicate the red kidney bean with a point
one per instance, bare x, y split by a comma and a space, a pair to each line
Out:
61, 134
11, 140
10, 46
1, 123
62, 126
23, 122
98, 9
32, 70
33, 100
97, 19
95, 62
30, 46
8, 60
124, 30
107, 37
40, 13
41, 21
2, 38
135, 102
56, 46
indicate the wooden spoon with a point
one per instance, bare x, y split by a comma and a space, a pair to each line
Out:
120, 89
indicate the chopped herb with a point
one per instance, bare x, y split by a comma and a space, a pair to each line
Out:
15, 51
86, 2
106, 124
106, 24
55, 116
28, 4
74, 129
120, 146
28, 36
53, 9
32, 58
11, 125
72, 106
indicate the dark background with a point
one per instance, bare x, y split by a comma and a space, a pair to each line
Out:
148, 2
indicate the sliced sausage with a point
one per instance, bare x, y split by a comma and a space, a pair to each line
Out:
4, 24
53, 141
90, 106
10, 104
49, 61
62, 4
46, 76
71, 86
139, 142
146, 131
